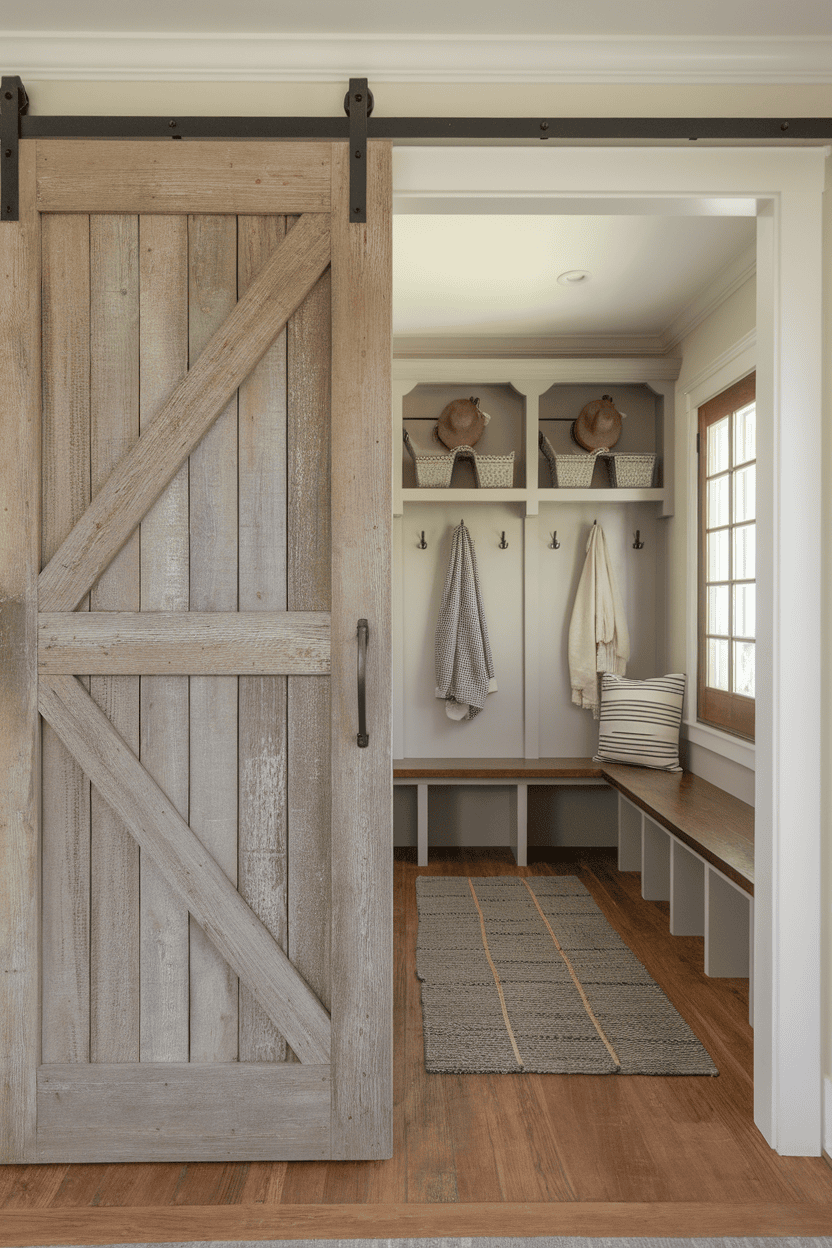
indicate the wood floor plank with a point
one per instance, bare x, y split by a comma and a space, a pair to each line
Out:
264, 1183
212, 1183
30, 1187
236, 1222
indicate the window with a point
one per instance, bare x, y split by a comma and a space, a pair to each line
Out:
727, 559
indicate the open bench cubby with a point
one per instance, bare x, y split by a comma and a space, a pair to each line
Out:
703, 900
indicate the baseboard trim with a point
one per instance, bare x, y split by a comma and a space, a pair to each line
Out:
270, 1222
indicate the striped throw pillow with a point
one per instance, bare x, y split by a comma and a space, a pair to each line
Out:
639, 721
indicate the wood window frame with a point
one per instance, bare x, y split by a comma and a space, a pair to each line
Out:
731, 712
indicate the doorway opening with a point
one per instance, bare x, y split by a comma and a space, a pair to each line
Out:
720, 191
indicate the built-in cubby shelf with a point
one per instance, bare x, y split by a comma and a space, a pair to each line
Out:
530, 496
528, 583
523, 397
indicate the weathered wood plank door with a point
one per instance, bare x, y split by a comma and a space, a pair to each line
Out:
196, 857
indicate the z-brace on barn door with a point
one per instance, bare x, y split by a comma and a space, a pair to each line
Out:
201, 940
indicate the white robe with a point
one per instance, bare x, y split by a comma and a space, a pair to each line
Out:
598, 637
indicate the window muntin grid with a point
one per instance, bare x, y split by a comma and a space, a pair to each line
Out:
730, 552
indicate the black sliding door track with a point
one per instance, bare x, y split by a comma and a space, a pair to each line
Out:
358, 126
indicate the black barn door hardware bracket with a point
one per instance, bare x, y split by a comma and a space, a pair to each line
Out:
13, 104
358, 104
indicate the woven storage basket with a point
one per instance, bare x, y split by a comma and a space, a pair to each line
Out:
630, 471
494, 472
569, 471
431, 470
490, 471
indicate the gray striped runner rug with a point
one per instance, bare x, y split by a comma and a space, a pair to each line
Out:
527, 975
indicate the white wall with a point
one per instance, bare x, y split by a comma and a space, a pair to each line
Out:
566, 731
710, 345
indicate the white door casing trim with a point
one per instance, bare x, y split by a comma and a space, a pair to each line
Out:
787, 188
735, 363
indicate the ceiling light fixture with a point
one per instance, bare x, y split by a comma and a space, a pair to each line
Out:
573, 277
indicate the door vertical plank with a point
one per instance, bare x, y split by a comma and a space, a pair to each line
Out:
66, 495
114, 854
163, 253
212, 285
262, 585
20, 390
362, 843
309, 581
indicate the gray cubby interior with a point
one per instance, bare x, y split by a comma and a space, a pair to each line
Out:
641, 431
504, 433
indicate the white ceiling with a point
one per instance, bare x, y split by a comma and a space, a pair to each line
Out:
497, 275
432, 17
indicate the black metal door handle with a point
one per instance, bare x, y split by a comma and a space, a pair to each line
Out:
363, 641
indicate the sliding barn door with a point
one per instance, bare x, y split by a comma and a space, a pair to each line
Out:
195, 874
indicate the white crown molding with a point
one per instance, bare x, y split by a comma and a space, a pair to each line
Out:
708, 300
68, 55
458, 369
484, 347
710, 380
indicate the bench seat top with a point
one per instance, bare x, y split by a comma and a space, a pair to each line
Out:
495, 768
712, 822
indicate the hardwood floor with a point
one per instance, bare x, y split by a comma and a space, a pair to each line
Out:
487, 1154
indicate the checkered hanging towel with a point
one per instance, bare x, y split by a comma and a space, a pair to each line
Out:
464, 667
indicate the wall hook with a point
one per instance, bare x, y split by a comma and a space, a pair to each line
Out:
554, 544
422, 544
503, 544
638, 543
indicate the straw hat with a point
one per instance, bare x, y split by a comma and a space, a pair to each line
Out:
461, 423
598, 425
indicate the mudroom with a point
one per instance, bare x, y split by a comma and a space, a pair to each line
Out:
142, 623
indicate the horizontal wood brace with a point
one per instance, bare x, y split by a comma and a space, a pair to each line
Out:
140, 176
183, 1111
184, 643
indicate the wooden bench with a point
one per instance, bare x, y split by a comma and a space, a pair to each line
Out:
517, 773
694, 846
692, 842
